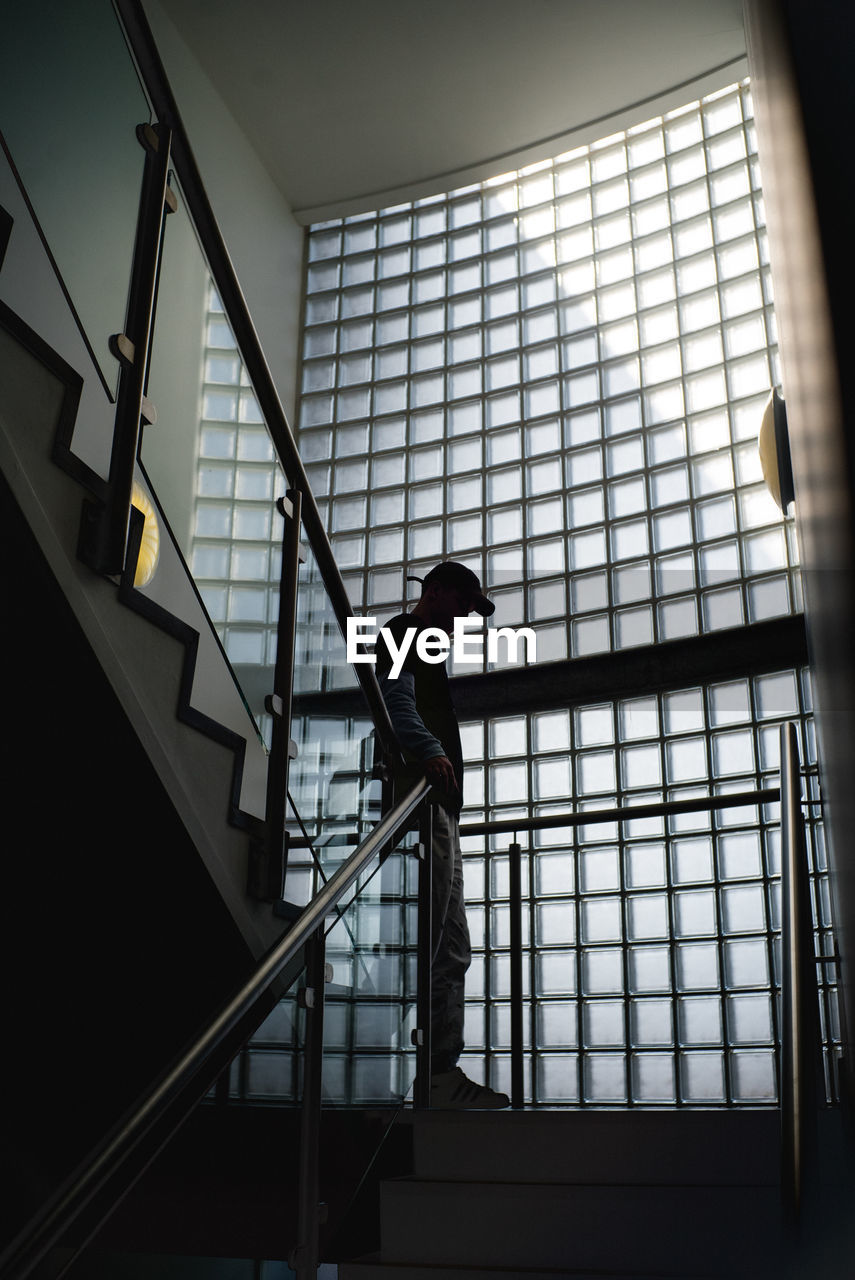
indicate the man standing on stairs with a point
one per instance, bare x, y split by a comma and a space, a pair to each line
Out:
423, 716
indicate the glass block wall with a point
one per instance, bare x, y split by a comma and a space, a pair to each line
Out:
558, 377
653, 945
235, 555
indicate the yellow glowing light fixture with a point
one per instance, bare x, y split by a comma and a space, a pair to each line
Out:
150, 543
773, 443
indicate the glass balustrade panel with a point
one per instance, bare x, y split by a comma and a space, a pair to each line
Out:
69, 119
370, 1001
334, 798
211, 461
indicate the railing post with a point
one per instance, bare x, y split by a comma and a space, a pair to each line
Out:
422, 1033
104, 526
515, 907
304, 1258
800, 1032
268, 861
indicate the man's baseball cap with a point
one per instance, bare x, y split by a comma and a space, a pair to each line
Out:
450, 573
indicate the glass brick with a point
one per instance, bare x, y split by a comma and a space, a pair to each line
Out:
641, 766
695, 913
603, 1023
777, 695
696, 965
556, 973
699, 1020
749, 1019
604, 1078
647, 917
551, 731
552, 778
601, 920
691, 860
702, 1077
589, 592
733, 752
768, 599
425, 541
743, 909
603, 972
686, 759
639, 718
599, 870
554, 872
650, 1022
556, 1025
649, 969
629, 539
653, 1077
557, 1077
753, 1076
686, 167
723, 609
555, 924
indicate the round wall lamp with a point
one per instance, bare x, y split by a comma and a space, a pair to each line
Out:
150, 542
773, 443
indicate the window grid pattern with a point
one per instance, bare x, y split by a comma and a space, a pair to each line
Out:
651, 950
557, 377
370, 1001
236, 535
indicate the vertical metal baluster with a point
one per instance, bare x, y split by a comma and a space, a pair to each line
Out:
304, 1258
515, 905
104, 526
268, 862
800, 1035
422, 1036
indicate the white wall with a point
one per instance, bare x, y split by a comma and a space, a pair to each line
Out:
264, 240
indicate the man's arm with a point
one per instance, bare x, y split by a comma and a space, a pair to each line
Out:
400, 698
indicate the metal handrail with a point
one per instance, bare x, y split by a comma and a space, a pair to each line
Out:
65, 1208
584, 817
104, 524
154, 77
622, 813
800, 1033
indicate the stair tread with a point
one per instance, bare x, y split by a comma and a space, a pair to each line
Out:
536, 1226
583, 1147
372, 1264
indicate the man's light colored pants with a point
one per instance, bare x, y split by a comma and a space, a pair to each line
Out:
451, 948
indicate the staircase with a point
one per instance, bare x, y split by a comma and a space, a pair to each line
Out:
583, 1194
135, 778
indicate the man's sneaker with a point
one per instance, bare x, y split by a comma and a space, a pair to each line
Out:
453, 1091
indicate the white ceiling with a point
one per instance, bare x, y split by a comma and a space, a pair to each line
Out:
358, 104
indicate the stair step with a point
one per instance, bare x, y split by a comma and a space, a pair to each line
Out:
626, 1147
628, 1229
372, 1267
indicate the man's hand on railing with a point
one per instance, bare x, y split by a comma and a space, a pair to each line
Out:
439, 772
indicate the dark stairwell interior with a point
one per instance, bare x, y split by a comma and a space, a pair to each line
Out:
116, 944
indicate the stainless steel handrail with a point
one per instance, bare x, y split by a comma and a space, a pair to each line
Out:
104, 525
154, 77
65, 1208
622, 813
800, 1043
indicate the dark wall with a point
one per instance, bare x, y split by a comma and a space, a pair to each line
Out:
800, 61
115, 943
